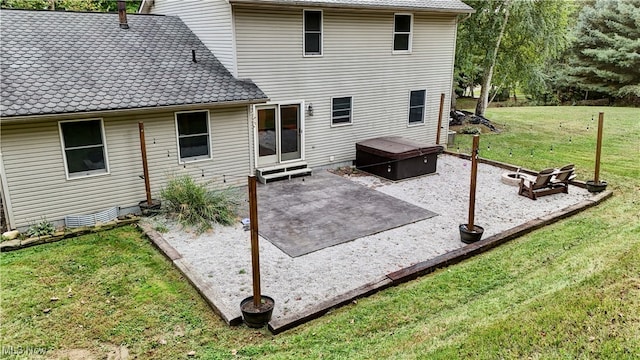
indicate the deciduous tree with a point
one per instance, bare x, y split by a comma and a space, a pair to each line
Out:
511, 40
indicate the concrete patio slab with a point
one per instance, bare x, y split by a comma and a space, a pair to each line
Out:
307, 214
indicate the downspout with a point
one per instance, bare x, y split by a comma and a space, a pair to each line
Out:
145, 6
464, 18
253, 139
6, 199
234, 50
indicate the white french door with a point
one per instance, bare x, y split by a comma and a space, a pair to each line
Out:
279, 133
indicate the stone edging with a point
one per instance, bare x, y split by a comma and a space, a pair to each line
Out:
12, 245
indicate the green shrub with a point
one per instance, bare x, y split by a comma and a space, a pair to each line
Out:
161, 228
194, 205
469, 130
42, 228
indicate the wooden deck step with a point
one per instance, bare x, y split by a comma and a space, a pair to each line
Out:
283, 171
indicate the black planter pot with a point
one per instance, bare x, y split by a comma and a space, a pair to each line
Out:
257, 317
469, 237
150, 209
596, 187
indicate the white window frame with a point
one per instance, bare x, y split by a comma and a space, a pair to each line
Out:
350, 112
276, 106
424, 109
304, 33
410, 33
192, 159
84, 174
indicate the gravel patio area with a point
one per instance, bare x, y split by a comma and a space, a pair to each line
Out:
221, 258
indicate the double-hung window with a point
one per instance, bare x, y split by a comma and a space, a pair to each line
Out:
341, 108
312, 33
417, 101
85, 152
402, 25
193, 135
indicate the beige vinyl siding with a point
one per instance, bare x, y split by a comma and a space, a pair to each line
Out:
33, 161
357, 61
210, 20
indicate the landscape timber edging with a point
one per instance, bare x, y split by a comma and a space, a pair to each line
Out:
202, 287
277, 326
456, 256
417, 270
579, 183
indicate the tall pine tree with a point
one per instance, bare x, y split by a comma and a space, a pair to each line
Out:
607, 48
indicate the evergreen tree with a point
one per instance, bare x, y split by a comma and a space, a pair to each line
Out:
607, 48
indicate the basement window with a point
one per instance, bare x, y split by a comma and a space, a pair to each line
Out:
85, 151
193, 136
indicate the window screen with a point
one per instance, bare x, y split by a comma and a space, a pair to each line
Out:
312, 32
193, 135
83, 147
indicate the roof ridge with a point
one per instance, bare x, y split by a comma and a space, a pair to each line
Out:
81, 12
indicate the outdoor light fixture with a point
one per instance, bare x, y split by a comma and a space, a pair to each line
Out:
310, 109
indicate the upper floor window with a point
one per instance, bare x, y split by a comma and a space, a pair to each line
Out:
417, 101
193, 135
402, 32
84, 147
341, 110
312, 32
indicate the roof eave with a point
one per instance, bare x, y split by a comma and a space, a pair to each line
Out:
101, 113
348, 6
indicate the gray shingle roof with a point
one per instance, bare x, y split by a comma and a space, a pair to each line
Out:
65, 62
455, 6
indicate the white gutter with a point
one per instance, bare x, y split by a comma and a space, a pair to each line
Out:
152, 109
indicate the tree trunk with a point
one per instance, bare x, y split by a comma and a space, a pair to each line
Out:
483, 100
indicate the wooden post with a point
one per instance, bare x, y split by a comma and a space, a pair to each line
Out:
255, 252
145, 166
474, 174
440, 119
596, 179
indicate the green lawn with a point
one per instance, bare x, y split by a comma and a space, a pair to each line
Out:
570, 290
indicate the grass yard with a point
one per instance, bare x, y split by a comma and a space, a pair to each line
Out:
570, 290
